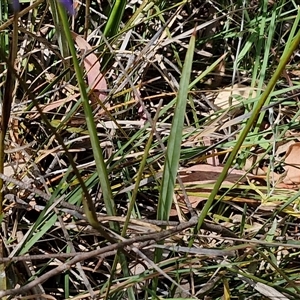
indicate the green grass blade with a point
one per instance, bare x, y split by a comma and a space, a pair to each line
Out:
114, 20
97, 151
175, 139
174, 147
265, 65
250, 123
61, 35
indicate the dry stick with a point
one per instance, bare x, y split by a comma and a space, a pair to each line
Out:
71, 246
206, 226
151, 238
52, 256
25, 186
156, 267
250, 244
21, 14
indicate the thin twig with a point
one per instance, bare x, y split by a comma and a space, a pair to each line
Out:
223, 231
151, 238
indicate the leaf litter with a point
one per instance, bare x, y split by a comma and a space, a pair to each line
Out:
254, 217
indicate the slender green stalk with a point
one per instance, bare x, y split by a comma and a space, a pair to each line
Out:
61, 36
7, 101
135, 190
173, 148
114, 19
265, 64
175, 139
97, 151
112, 27
250, 123
140, 174
87, 200
6, 111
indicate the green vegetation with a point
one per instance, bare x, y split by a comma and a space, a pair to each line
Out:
149, 150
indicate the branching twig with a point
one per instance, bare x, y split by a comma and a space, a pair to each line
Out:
151, 238
206, 226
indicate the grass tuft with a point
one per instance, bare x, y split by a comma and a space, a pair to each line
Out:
150, 150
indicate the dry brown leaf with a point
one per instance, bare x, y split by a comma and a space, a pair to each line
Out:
222, 100
204, 174
96, 80
53, 105
291, 177
256, 170
292, 166
295, 73
284, 147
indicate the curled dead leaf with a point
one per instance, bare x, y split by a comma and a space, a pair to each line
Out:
222, 100
292, 165
290, 179
96, 80
204, 174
